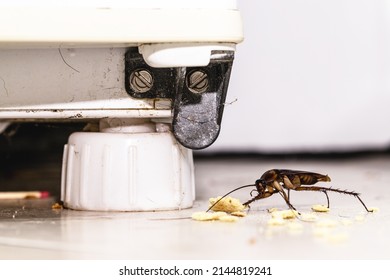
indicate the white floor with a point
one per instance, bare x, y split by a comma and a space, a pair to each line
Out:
38, 232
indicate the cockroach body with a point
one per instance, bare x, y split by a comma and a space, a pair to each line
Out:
276, 180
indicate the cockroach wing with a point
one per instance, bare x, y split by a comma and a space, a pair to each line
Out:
304, 177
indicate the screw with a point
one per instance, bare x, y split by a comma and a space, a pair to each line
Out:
141, 80
197, 81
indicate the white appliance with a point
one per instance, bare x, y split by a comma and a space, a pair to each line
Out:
151, 77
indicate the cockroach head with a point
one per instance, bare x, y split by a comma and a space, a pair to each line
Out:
260, 184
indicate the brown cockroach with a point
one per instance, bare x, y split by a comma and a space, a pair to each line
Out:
276, 180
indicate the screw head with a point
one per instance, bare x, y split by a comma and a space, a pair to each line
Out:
197, 81
141, 80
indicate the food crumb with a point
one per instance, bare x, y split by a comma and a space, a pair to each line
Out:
206, 216
227, 204
252, 240
346, 222
238, 214
270, 210
295, 226
309, 217
214, 216
56, 206
337, 237
228, 218
373, 209
320, 208
321, 231
284, 214
359, 218
276, 221
326, 223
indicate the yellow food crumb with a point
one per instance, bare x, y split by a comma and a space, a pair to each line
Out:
228, 218
309, 217
238, 214
214, 216
346, 222
56, 206
319, 208
373, 209
252, 240
359, 218
337, 237
270, 210
227, 204
327, 223
284, 214
206, 216
293, 226
321, 231
276, 221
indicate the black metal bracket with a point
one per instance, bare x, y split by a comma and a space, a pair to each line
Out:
198, 94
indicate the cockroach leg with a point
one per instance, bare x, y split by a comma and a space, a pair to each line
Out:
254, 190
288, 203
327, 198
358, 197
325, 190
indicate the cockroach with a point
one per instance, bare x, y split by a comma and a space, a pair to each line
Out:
276, 180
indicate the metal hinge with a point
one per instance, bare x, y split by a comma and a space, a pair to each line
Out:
198, 94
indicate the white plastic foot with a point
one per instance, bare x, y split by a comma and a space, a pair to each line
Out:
129, 169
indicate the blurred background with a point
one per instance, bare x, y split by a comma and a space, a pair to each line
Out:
310, 76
